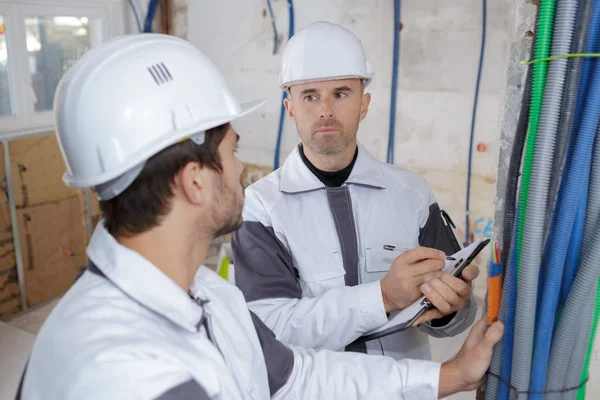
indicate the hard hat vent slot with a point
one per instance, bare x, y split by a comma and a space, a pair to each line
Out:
160, 73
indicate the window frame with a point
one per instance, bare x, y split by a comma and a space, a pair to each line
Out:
107, 18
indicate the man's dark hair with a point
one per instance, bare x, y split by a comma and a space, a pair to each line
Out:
148, 199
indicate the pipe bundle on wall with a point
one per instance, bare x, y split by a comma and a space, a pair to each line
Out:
550, 300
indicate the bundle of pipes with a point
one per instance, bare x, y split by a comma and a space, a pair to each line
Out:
551, 239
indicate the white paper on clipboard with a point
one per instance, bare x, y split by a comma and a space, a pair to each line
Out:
406, 315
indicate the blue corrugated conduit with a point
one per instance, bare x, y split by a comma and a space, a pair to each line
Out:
542, 325
574, 251
578, 167
567, 113
567, 122
570, 347
395, 62
474, 116
502, 361
284, 94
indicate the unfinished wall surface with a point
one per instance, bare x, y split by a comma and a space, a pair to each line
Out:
439, 53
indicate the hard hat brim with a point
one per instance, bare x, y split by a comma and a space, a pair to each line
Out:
145, 153
366, 78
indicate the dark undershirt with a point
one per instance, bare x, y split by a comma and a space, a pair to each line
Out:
330, 179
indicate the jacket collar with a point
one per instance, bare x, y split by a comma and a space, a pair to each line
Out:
142, 281
295, 177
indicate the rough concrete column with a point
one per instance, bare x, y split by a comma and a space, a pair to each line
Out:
520, 44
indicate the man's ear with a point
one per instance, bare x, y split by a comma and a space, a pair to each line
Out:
193, 181
289, 106
364, 106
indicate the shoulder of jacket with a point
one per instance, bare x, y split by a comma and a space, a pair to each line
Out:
264, 191
410, 180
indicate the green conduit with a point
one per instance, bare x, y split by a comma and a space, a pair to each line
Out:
588, 357
542, 50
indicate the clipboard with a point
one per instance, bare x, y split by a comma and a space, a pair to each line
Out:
402, 320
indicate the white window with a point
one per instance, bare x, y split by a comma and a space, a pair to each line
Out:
39, 41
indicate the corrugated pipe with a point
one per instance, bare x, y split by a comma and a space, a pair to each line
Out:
567, 112
586, 313
587, 275
574, 252
580, 344
585, 372
533, 241
528, 277
502, 357
509, 232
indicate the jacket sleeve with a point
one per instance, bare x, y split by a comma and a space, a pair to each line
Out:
343, 375
437, 231
265, 273
296, 373
124, 377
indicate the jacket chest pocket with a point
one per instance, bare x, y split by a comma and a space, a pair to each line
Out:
319, 271
379, 258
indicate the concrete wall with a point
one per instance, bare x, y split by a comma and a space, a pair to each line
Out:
438, 62
439, 53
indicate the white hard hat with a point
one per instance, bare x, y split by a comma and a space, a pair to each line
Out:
131, 97
323, 51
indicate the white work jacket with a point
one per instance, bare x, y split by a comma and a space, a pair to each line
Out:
126, 331
309, 258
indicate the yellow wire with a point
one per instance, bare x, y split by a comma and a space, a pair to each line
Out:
559, 57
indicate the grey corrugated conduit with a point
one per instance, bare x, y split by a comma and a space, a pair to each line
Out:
587, 275
582, 336
575, 325
536, 216
567, 112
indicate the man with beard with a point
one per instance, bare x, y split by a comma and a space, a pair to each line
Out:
334, 241
145, 320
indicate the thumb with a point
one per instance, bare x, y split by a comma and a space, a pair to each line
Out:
493, 334
477, 332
